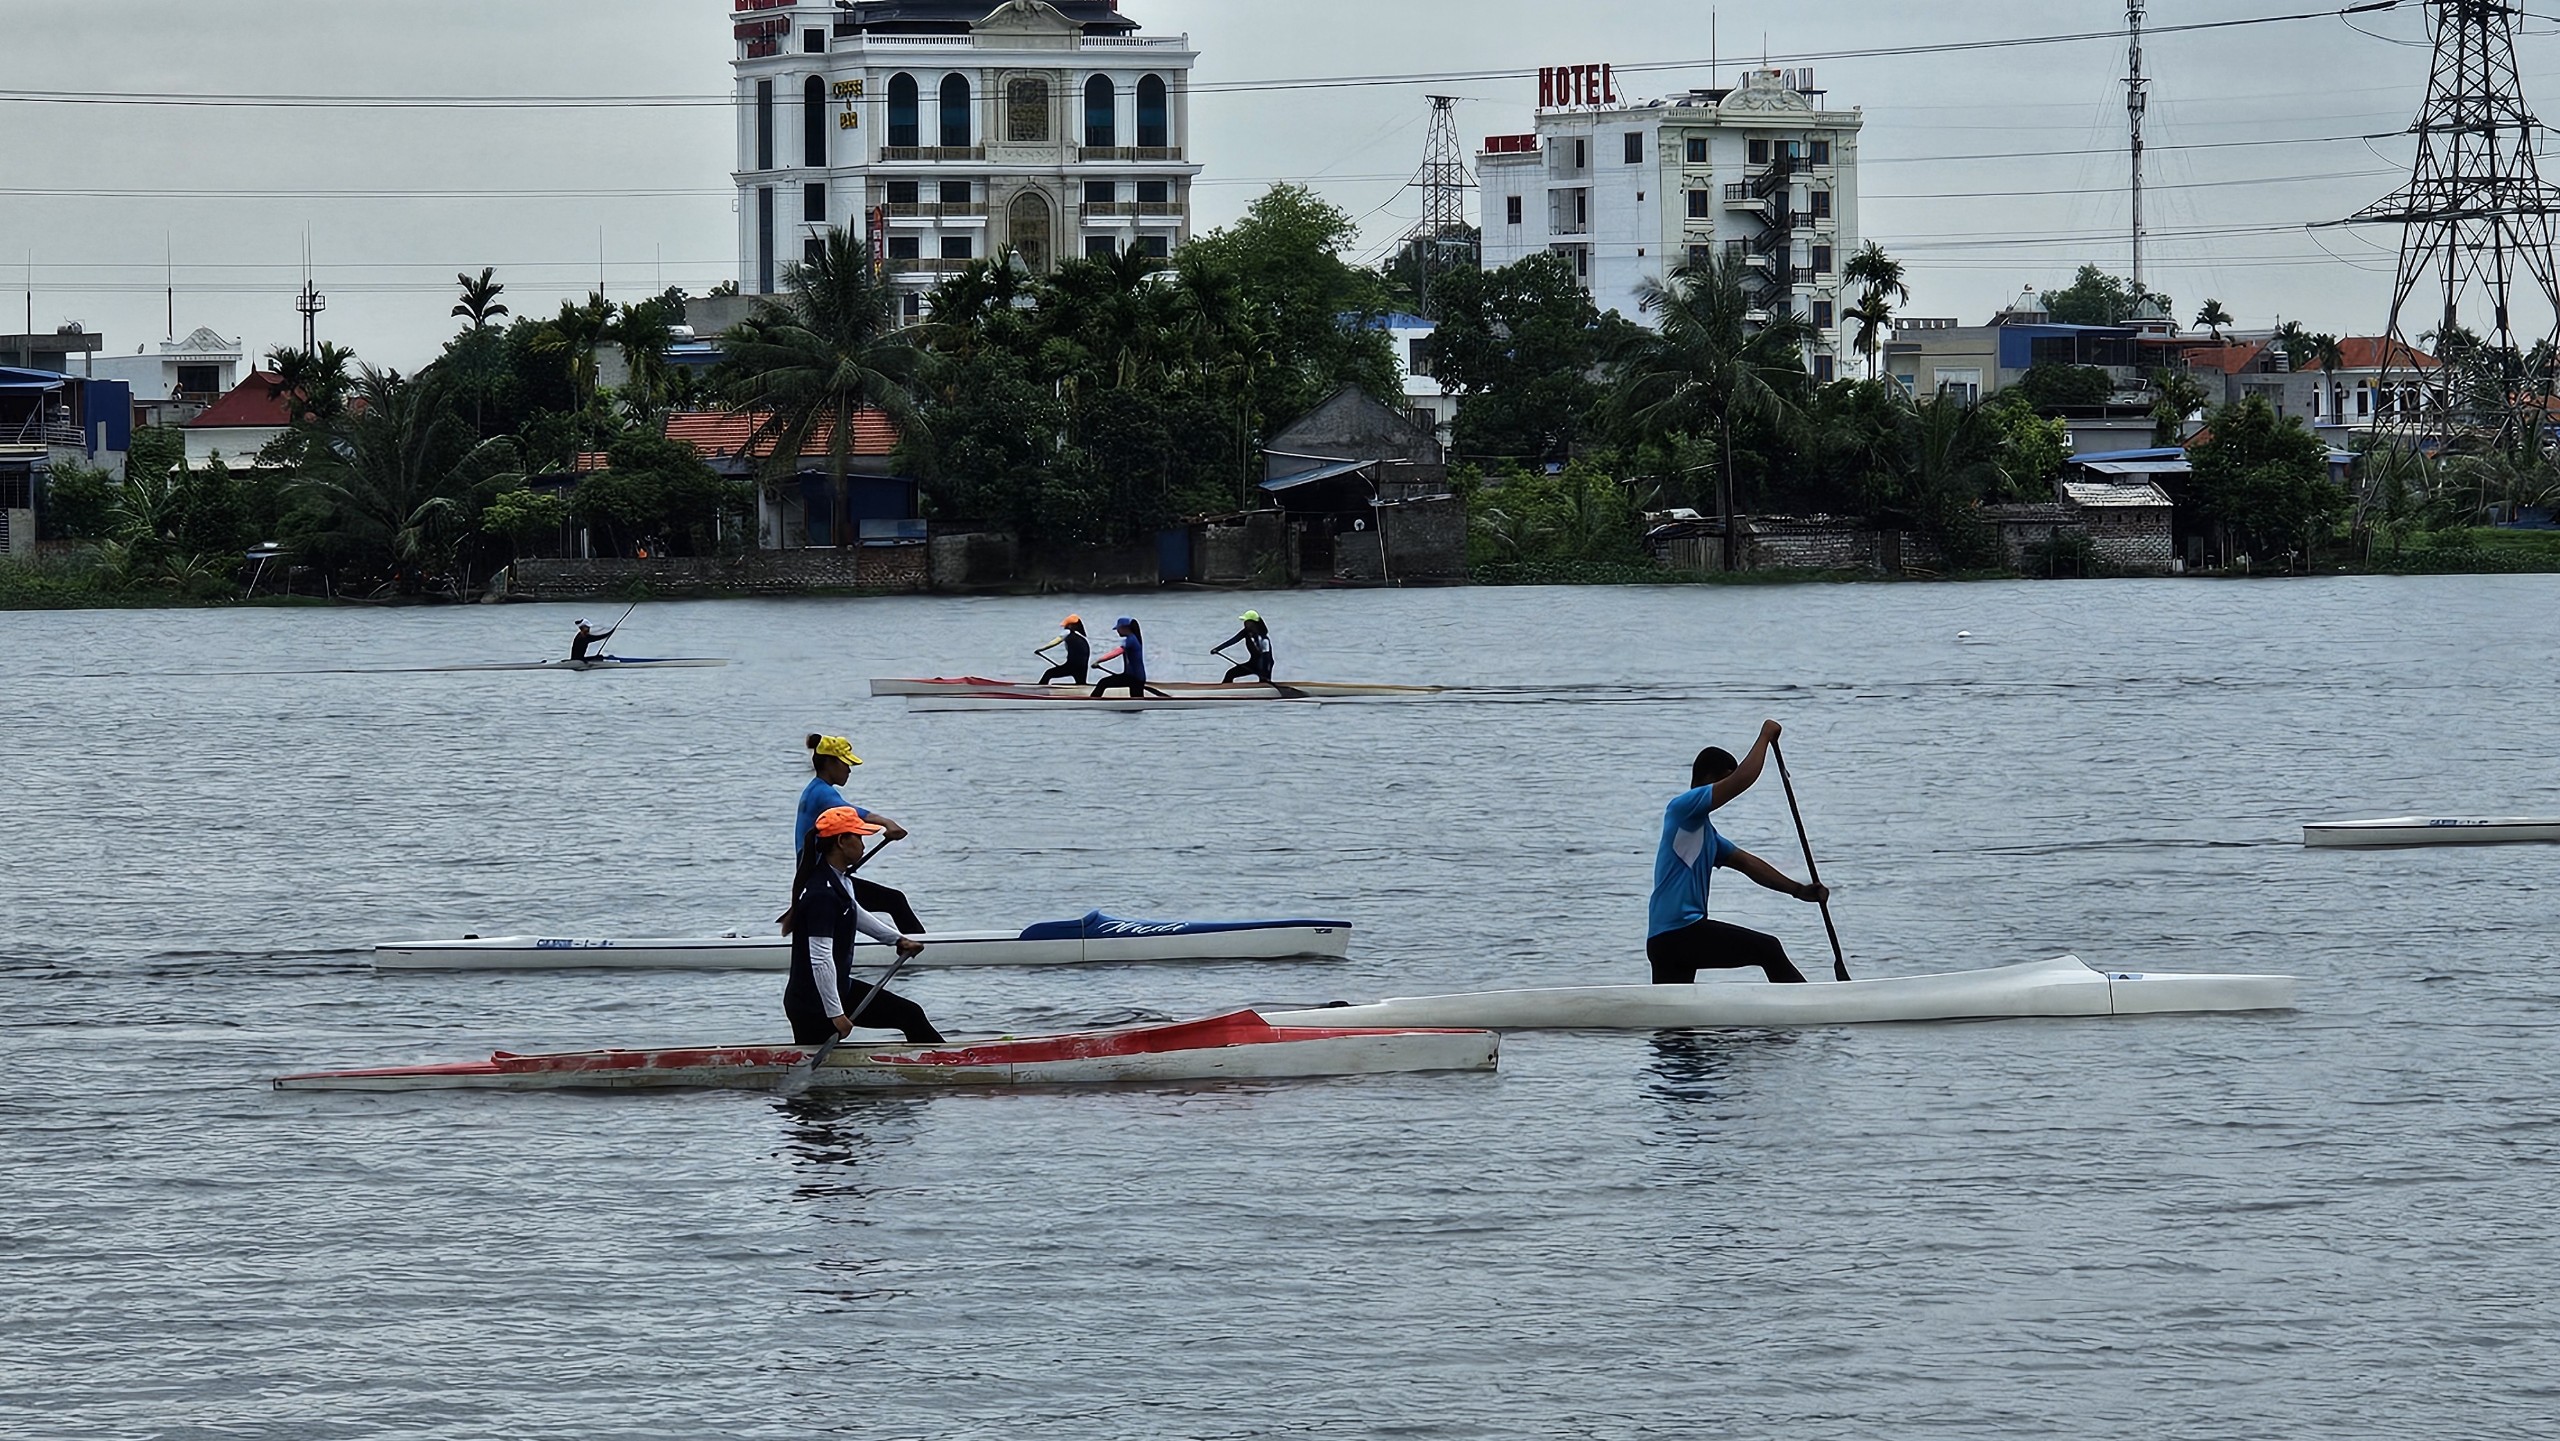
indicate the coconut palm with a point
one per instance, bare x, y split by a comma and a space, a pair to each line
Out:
573, 336
809, 359
396, 473
1871, 315
1882, 287
2213, 317
2295, 342
479, 303
312, 383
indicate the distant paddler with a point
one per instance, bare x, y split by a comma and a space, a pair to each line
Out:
821, 997
833, 760
1680, 940
1256, 639
1079, 653
1131, 652
580, 643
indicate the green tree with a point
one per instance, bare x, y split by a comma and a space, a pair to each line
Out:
395, 479
2266, 478
1709, 364
479, 303
2213, 318
2050, 386
570, 340
1311, 305
2029, 449
1881, 286
521, 516
2181, 397
2096, 298
1520, 346
809, 359
80, 503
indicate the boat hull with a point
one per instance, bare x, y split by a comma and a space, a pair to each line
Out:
1241, 1046
2433, 831
1095, 940
981, 685
2062, 986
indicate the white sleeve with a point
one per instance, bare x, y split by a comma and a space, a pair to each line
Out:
822, 972
869, 924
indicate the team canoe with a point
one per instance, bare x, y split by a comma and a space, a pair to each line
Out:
1093, 939
968, 685
2433, 831
1240, 1046
2061, 986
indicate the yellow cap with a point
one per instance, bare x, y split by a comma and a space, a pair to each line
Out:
836, 748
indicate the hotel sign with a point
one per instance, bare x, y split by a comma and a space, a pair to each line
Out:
1560, 86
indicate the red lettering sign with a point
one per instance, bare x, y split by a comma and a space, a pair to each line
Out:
1561, 86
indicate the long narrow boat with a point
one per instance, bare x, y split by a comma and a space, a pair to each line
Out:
1094, 939
1241, 1046
1033, 699
2062, 986
2433, 831
981, 685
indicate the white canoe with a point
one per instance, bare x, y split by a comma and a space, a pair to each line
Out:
2062, 986
1033, 700
2433, 831
953, 685
1242, 1046
1094, 939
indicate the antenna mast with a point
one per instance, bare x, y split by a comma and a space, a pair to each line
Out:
2137, 100
310, 302
1444, 182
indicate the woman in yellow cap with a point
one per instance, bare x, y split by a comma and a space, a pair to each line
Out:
1257, 649
833, 760
821, 997
1079, 652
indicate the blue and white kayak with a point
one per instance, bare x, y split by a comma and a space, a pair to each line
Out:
1094, 939
2433, 831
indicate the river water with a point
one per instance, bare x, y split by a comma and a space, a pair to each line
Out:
2334, 1222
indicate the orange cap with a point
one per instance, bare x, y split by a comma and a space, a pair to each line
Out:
1072, 620
844, 820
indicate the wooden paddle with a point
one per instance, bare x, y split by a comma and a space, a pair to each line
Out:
1839, 963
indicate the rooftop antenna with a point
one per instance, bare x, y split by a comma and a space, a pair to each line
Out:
1715, 72
310, 302
2137, 100
169, 276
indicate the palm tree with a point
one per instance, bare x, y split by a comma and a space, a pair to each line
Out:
2292, 339
1709, 359
643, 332
2213, 317
573, 335
479, 303
808, 360
1871, 315
397, 470
1883, 287
313, 384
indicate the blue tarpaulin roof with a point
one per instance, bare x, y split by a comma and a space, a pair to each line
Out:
24, 381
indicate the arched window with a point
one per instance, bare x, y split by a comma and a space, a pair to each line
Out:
903, 127
1153, 128
813, 123
1101, 112
1026, 110
955, 111
1027, 221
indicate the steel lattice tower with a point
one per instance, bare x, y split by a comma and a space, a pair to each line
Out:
2476, 223
1444, 181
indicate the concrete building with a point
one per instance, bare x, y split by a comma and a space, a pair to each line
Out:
64, 351
1427, 402
175, 383
238, 425
948, 130
49, 420
1759, 175
2339, 405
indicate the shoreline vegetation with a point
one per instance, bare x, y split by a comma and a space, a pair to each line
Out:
90, 580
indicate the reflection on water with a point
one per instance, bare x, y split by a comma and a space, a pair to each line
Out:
833, 1139
1695, 1068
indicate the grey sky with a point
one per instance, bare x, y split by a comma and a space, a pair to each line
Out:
531, 191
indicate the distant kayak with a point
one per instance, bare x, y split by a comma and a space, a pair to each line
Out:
2433, 831
1241, 1046
1093, 939
981, 685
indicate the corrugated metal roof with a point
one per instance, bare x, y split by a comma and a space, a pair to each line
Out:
2133, 467
1322, 472
2099, 494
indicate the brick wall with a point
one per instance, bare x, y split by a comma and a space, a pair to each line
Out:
877, 568
2133, 538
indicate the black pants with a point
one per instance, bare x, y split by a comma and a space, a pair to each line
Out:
1063, 670
810, 1025
1136, 686
1679, 955
882, 900
1258, 667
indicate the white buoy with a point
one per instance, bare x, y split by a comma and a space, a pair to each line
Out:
1964, 635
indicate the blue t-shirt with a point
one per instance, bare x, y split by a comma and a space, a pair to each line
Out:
1133, 657
1691, 851
816, 799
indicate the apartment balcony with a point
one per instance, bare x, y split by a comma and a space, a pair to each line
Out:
931, 210
892, 154
926, 266
1132, 210
1091, 154
1776, 178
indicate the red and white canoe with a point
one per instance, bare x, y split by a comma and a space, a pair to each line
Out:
978, 685
1240, 1046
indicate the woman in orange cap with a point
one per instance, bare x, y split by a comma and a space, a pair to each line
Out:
1079, 652
821, 995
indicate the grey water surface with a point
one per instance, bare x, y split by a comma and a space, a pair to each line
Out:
2334, 1222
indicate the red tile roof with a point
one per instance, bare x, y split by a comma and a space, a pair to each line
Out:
2366, 352
719, 434
2228, 359
249, 405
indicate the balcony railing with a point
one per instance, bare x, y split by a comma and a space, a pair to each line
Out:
41, 430
925, 265
1091, 153
935, 210
1146, 209
1768, 182
889, 153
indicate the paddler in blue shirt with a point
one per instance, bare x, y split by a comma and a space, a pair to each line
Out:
832, 758
1131, 652
1680, 940
1079, 652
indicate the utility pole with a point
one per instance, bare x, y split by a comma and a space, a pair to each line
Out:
2137, 101
1444, 182
310, 302
2476, 221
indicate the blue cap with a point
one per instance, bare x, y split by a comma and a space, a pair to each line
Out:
1124, 623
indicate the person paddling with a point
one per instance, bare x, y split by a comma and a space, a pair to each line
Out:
1131, 652
585, 638
1680, 940
821, 994
1257, 649
833, 760
1079, 653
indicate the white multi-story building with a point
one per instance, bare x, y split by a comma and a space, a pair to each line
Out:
949, 130
1759, 175
176, 382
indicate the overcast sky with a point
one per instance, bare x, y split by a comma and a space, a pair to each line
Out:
395, 201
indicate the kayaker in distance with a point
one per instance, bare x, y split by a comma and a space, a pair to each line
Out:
579, 643
1131, 652
833, 759
821, 994
1680, 941
1257, 649
1079, 652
